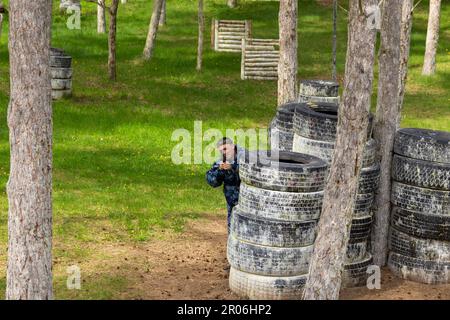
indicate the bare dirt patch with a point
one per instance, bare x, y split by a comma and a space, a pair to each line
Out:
191, 265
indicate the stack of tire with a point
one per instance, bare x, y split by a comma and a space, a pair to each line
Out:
281, 133
273, 228
420, 227
318, 91
315, 128
61, 74
66, 4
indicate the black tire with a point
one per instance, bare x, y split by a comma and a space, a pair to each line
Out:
56, 52
421, 225
270, 232
430, 250
319, 88
369, 179
356, 251
286, 111
420, 200
421, 173
355, 273
363, 205
423, 144
325, 149
289, 171
61, 73
319, 121
257, 287
315, 99
61, 84
280, 205
268, 261
419, 270
60, 61
360, 229
280, 139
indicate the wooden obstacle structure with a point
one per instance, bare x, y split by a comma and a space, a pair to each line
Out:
227, 35
260, 59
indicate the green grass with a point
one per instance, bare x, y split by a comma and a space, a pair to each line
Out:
113, 175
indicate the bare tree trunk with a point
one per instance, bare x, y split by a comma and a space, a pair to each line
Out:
405, 41
152, 30
101, 21
387, 121
112, 39
29, 187
335, 7
201, 31
287, 66
162, 18
232, 3
1, 24
327, 261
429, 65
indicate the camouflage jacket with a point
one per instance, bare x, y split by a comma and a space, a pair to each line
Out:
229, 178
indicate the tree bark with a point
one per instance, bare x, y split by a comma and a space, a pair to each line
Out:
387, 121
101, 21
405, 41
152, 30
29, 188
334, 71
328, 258
112, 39
287, 66
429, 65
162, 18
201, 31
232, 3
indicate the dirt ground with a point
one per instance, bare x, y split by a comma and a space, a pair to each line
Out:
190, 265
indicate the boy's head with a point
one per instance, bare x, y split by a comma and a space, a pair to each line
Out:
226, 148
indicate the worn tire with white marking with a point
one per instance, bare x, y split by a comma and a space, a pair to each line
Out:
422, 225
319, 88
426, 174
355, 273
426, 249
420, 200
356, 251
280, 205
360, 229
280, 138
257, 287
269, 261
363, 205
61, 84
319, 121
61, 73
325, 149
419, 270
289, 171
60, 61
270, 232
423, 144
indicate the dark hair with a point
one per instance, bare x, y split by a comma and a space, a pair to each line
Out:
223, 141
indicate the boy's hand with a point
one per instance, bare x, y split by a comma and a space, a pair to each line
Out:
225, 166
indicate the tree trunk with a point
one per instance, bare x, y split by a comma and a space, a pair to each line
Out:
232, 3
387, 121
328, 258
152, 30
112, 39
1, 24
429, 65
287, 66
201, 31
405, 41
335, 7
29, 187
162, 17
101, 21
